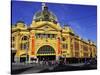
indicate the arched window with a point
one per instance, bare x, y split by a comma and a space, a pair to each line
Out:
46, 49
24, 43
24, 38
24, 46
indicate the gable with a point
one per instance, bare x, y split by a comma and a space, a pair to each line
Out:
47, 27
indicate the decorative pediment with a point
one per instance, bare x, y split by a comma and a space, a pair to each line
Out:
46, 26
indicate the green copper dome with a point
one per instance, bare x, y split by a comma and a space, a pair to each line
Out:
44, 15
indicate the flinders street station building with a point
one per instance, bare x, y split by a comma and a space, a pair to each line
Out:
45, 39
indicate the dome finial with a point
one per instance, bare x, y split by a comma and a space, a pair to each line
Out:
45, 14
43, 5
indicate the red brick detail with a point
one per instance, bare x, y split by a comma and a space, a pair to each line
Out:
33, 45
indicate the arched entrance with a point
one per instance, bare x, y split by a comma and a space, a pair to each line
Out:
46, 52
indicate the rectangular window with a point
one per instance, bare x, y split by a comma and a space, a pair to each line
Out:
48, 35
25, 46
76, 54
85, 48
71, 46
65, 46
53, 36
85, 54
76, 45
39, 35
44, 35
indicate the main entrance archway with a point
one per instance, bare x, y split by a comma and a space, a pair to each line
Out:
46, 52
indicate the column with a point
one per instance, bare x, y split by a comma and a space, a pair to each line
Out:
32, 45
17, 47
59, 48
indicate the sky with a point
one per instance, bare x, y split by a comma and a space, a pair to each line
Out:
81, 18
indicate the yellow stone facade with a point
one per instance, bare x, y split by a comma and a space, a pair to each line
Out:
27, 40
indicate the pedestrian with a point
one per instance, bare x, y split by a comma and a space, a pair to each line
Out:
47, 63
52, 62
